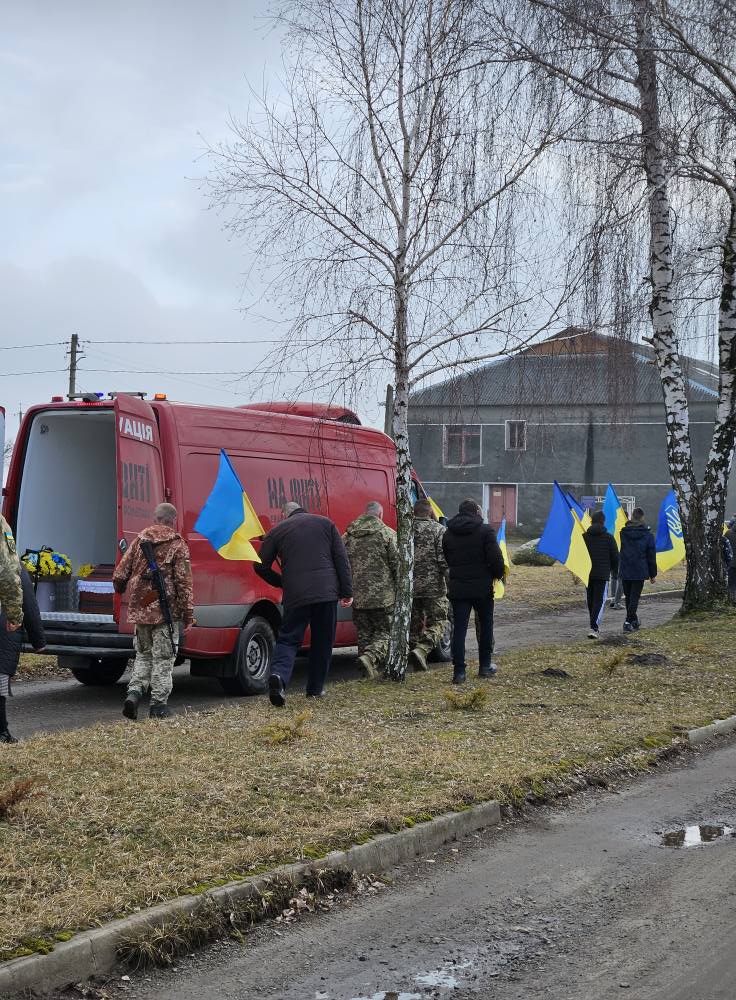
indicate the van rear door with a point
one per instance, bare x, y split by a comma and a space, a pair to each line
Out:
140, 477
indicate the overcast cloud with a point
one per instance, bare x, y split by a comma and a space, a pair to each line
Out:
106, 112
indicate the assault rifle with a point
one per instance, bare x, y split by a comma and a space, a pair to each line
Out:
158, 582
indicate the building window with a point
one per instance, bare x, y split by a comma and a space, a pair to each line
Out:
516, 435
462, 445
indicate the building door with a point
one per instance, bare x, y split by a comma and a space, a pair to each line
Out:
501, 503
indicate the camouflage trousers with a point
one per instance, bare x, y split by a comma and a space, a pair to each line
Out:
154, 661
374, 632
428, 621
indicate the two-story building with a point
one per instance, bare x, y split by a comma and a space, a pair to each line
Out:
580, 408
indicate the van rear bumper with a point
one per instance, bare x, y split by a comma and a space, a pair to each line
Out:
66, 637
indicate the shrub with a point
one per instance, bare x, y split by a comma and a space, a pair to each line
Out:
527, 555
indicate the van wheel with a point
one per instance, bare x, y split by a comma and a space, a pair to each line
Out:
442, 652
251, 659
97, 672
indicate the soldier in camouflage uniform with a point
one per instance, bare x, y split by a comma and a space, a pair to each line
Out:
374, 559
154, 651
430, 606
11, 603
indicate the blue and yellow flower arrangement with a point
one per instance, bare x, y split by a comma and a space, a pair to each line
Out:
47, 564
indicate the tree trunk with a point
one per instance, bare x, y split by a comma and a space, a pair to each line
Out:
706, 584
399, 647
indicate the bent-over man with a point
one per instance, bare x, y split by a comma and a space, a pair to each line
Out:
374, 561
315, 575
156, 640
430, 606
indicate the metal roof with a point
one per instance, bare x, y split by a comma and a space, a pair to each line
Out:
605, 378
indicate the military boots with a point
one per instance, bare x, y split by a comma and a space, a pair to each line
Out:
158, 710
130, 705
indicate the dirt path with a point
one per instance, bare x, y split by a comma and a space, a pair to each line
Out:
579, 903
66, 704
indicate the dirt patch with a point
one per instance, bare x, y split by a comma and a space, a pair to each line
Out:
649, 660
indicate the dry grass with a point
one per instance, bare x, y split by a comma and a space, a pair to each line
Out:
553, 588
33, 667
134, 814
470, 701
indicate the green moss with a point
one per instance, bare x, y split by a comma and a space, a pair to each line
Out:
64, 935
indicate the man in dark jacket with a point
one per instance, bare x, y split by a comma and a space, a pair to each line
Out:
731, 536
315, 575
638, 561
604, 561
11, 643
475, 561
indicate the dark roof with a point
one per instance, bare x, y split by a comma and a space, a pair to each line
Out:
595, 371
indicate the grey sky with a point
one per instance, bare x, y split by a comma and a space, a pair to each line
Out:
105, 113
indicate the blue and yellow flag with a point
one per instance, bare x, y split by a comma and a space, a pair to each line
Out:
499, 586
670, 543
614, 513
435, 507
228, 520
562, 538
582, 513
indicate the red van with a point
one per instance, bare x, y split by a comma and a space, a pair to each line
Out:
86, 475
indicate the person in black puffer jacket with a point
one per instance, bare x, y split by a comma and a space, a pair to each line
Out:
11, 644
475, 560
638, 562
604, 561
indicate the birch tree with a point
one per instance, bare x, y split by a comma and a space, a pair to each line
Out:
391, 194
659, 86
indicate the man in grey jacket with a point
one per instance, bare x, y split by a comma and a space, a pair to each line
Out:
315, 575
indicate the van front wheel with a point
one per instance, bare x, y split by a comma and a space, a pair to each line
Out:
95, 671
251, 659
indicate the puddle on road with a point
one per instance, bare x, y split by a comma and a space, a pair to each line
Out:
443, 978
391, 995
695, 836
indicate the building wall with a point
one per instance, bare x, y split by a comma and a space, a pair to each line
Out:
583, 448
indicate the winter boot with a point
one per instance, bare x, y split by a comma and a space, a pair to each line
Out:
276, 691
130, 705
366, 666
6, 737
418, 659
158, 710
458, 677
489, 671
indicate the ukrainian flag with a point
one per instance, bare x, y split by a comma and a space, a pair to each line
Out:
228, 520
583, 515
614, 513
562, 538
435, 507
670, 543
499, 586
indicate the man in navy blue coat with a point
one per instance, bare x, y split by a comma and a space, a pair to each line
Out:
638, 563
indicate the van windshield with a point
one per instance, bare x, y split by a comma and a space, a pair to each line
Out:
68, 490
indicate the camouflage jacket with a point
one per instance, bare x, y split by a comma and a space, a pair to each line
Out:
430, 568
132, 574
11, 592
374, 560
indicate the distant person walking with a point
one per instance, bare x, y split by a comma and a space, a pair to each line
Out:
157, 558
315, 575
475, 560
604, 563
731, 536
638, 563
374, 561
430, 607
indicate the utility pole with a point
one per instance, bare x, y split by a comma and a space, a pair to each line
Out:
388, 416
74, 354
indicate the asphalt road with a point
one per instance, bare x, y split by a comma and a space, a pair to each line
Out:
49, 705
576, 903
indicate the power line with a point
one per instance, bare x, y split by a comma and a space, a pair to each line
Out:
48, 371
179, 343
25, 347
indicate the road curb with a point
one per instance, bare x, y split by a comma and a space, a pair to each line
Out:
719, 727
94, 953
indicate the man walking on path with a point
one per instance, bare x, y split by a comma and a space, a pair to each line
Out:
315, 575
638, 562
156, 626
429, 607
475, 560
604, 562
374, 561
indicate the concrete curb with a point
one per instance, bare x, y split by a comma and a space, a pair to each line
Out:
94, 953
719, 727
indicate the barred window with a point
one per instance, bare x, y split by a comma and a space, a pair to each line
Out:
516, 435
462, 446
